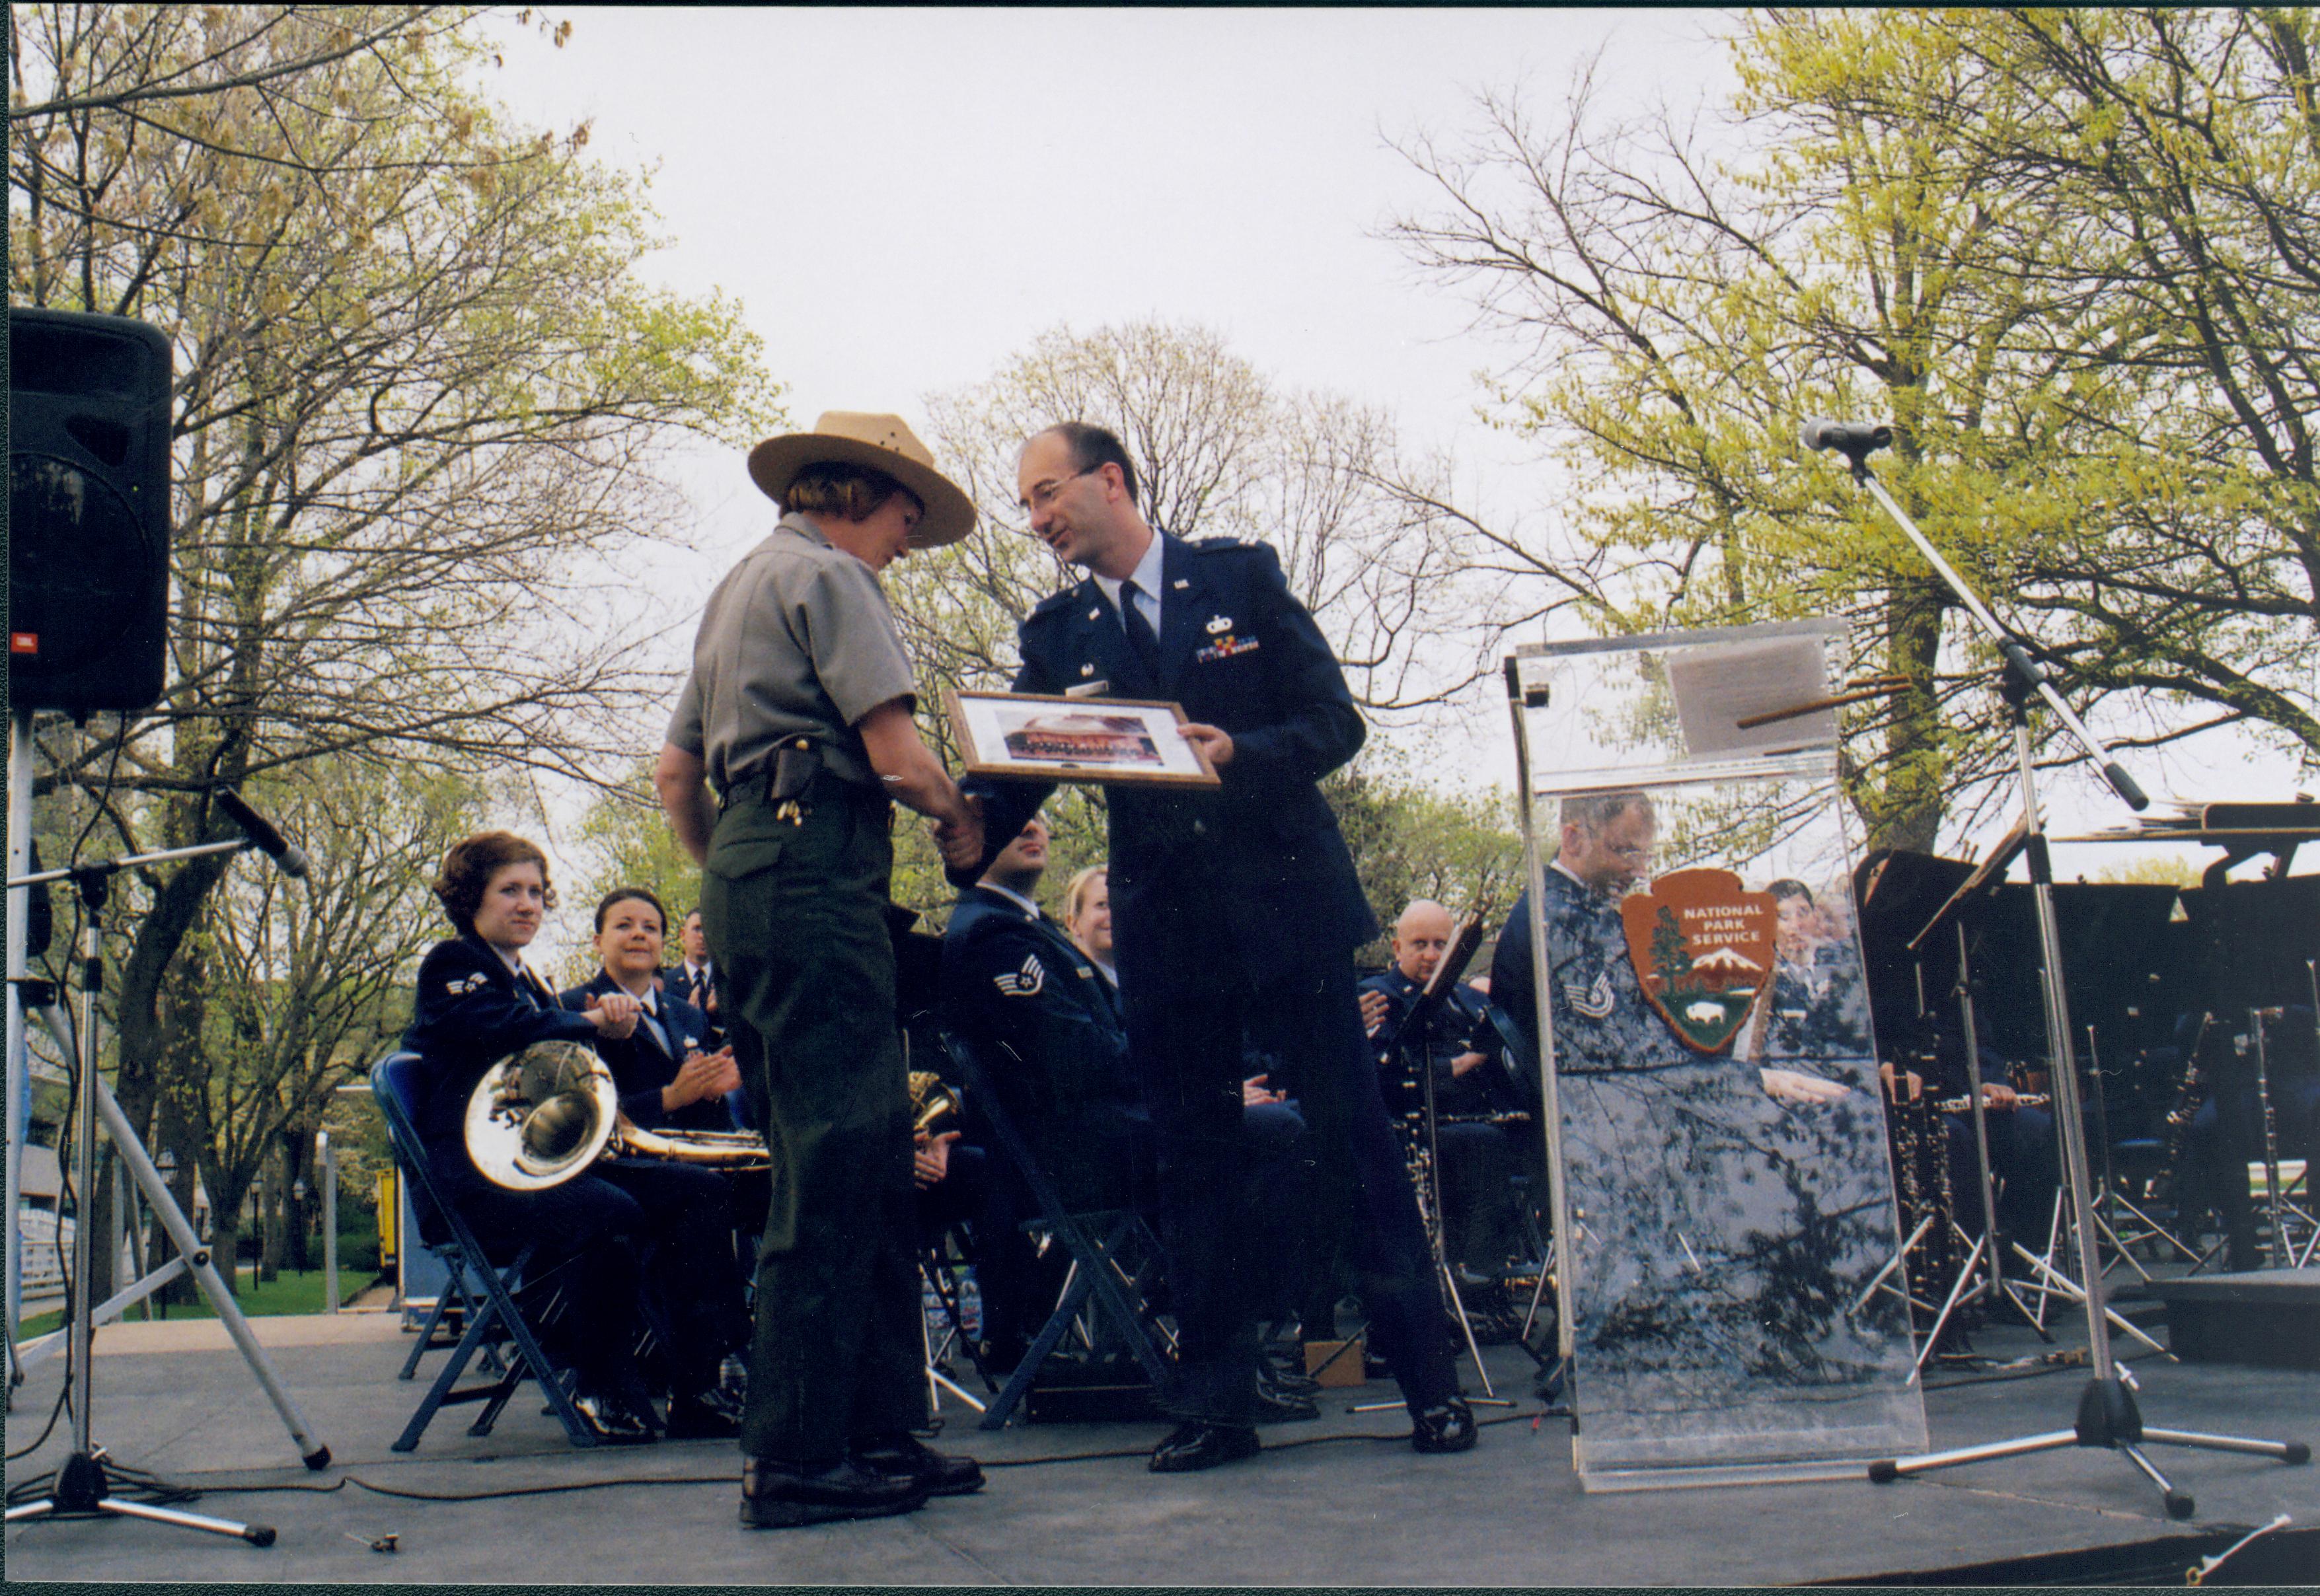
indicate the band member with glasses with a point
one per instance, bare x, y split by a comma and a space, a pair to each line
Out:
798, 711
477, 1002
1227, 902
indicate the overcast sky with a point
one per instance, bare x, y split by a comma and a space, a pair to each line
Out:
902, 200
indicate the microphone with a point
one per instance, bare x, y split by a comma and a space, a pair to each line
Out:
1854, 439
258, 830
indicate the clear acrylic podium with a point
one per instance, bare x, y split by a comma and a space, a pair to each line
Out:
1716, 1128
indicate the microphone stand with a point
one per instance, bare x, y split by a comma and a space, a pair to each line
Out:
78, 1487
2108, 1416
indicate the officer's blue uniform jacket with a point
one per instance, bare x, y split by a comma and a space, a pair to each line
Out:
1012, 977
471, 1012
1236, 650
641, 1065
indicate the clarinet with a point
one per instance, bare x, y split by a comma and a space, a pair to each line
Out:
2188, 1097
2256, 1018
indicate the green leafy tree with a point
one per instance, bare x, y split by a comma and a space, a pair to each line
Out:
298, 985
421, 396
2068, 254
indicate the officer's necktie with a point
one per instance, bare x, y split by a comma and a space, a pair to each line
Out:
1141, 639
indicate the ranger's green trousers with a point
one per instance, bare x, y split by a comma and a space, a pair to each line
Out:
795, 920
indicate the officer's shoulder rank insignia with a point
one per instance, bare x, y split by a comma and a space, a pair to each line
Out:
473, 983
1025, 982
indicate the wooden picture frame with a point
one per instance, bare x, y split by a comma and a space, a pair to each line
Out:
1053, 737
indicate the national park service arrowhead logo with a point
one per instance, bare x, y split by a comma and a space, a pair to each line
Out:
1702, 944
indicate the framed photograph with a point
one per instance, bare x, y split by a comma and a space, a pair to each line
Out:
1043, 738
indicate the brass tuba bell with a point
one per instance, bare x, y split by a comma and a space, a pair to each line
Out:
541, 1116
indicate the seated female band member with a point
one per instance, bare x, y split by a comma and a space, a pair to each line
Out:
477, 1003
667, 1082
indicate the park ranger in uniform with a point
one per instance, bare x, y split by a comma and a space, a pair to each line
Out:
798, 713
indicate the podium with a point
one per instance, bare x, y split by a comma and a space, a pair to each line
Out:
1716, 1129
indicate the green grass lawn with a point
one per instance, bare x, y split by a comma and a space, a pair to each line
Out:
286, 1292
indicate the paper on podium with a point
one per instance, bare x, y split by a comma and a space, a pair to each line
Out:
1715, 689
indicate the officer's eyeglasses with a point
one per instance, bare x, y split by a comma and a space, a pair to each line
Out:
1043, 494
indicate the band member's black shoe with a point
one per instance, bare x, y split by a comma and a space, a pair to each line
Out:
708, 1415
615, 1420
1277, 1405
1447, 1427
1196, 1445
905, 1457
785, 1496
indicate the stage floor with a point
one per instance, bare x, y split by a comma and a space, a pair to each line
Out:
1338, 1502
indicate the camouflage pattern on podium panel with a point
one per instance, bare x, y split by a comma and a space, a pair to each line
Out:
1723, 1236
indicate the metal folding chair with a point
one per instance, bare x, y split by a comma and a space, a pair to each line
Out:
393, 1086
1096, 1242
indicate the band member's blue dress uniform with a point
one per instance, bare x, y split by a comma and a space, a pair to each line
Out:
1229, 901
471, 1011
1012, 977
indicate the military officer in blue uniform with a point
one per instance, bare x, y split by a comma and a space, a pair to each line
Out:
1228, 902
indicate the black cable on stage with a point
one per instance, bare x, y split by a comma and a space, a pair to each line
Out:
55, 1408
729, 1477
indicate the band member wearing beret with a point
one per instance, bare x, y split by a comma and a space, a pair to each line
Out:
798, 713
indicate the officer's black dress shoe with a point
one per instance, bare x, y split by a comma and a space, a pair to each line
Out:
1196, 1445
786, 1495
615, 1420
906, 1457
1446, 1427
711, 1415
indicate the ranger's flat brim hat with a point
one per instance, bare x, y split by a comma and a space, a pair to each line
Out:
882, 442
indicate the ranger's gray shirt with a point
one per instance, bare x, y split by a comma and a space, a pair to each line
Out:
798, 640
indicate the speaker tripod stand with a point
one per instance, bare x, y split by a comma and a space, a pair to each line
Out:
81, 1486
2108, 1416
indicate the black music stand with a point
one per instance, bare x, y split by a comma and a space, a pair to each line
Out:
2108, 1416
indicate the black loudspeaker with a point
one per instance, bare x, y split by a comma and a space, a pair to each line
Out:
88, 511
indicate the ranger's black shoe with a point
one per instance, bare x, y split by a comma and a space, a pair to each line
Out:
787, 1495
906, 1457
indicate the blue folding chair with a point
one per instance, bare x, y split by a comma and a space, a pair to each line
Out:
491, 1296
1095, 1243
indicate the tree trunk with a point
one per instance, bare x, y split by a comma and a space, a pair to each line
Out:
273, 1196
300, 1142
